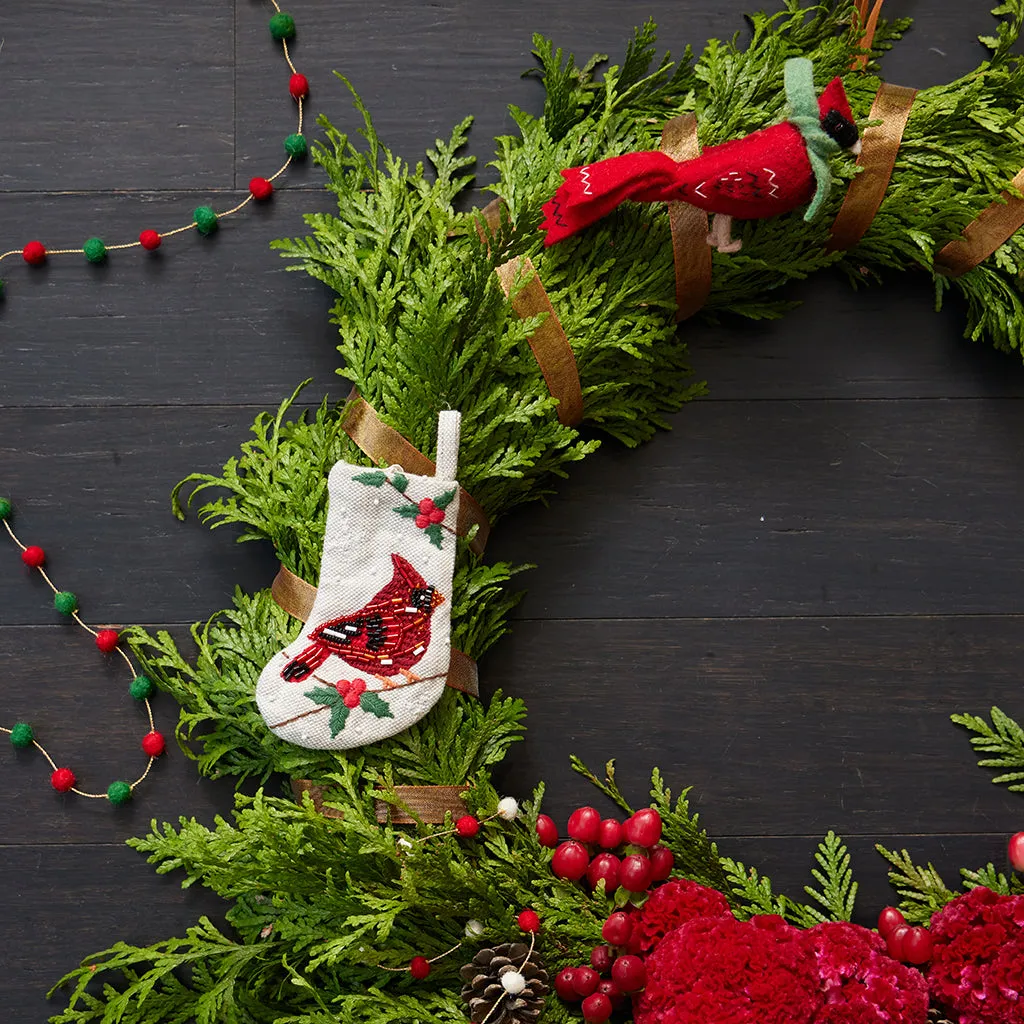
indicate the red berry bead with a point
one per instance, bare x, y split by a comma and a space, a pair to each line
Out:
150, 239
419, 967
635, 874
570, 861
597, 1008
34, 254
917, 946
585, 824
106, 640
33, 556
602, 958
153, 744
606, 866
608, 988
63, 779
629, 973
584, 981
609, 835
298, 86
662, 863
618, 929
1015, 851
261, 188
547, 831
643, 828
564, 984
467, 826
528, 920
889, 920
894, 941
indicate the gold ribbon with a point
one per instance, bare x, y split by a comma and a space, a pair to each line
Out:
386, 445
691, 253
879, 147
296, 597
316, 794
992, 227
431, 803
869, 22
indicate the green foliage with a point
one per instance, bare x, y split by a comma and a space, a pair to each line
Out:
1004, 739
835, 876
922, 890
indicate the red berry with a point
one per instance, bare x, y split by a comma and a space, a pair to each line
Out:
894, 941
153, 744
597, 1008
528, 920
422, 521
33, 556
584, 824
106, 640
298, 86
917, 946
602, 958
261, 188
608, 988
150, 239
629, 973
34, 254
437, 516
618, 929
609, 835
564, 984
63, 779
662, 863
419, 967
635, 875
467, 826
889, 919
584, 981
1015, 851
547, 831
426, 506
643, 828
570, 861
606, 866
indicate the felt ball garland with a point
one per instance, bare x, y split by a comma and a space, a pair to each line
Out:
23, 736
205, 219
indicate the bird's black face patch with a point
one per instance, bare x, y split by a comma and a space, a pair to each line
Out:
839, 128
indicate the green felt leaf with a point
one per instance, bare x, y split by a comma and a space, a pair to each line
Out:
407, 511
400, 482
434, 533
339, 716
445, 499
375, 705
325, 695
376, 478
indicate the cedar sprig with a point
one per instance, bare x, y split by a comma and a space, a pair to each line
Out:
1003, 744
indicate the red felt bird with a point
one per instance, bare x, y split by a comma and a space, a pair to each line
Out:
387, 636
764, 174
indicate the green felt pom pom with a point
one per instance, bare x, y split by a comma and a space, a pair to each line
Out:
65, 602
5, 508
141, 688
119, 793
282, 26
206, 220
22, 735
295, 145
95, 251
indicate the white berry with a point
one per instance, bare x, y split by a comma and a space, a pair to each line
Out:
474, 929
508, 808
513, 982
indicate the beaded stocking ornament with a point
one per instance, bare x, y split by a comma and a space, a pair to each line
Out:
374, 655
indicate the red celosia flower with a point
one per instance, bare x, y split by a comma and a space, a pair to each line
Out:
671, 905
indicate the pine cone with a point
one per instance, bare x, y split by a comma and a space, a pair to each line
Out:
936, 1016
485, 994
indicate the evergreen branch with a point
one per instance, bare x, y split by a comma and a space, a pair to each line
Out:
1004, 739
750, 893
921, 889
606, 785
994, 880
835, 876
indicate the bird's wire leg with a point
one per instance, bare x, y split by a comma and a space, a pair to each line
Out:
410, 677
720, 236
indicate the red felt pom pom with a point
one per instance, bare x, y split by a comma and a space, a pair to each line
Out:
33, 556
298, 86
467, 826
63, 779
150, 239
106, 640
419, 967
261, 188
34, 254
528, 920
153, 744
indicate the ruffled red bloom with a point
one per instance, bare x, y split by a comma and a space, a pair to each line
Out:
671, 905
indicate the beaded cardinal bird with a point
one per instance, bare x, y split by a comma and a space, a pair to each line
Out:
384, 638
764, 174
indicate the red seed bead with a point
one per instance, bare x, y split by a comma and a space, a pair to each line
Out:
584, 981
63, 779
547, 831
643, 828
419, 967
298, 86
34, 254
608, 988
467, 826
894, 941
629, 973
584, 824
570, 861
889, 920
33, 556
564, 984
635, 874
261, 188
662, 863
528, 920
150, 239
618, 929
609, 835
1015, 851
606, 866
917, 946
106, 640
597, 1008
153, 744
602, 958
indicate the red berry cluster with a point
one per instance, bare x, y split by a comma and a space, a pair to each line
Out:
429, 514
909, 945
595, 850
350, 692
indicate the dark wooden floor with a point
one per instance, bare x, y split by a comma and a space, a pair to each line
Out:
780, 602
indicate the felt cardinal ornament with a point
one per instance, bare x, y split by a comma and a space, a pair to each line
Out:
773, 171
374, 655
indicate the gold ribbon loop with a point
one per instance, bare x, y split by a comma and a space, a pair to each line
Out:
879, 147
549, 344
316, 794
429, 802
868, 22
994, 226
386, 445
296, 597
691, 253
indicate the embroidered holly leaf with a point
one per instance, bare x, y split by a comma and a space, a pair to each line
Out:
445, 499
407, 511
434, 533
400, 481
325, 695
375, 705
375, 478
339, 716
